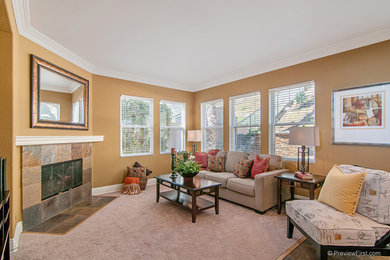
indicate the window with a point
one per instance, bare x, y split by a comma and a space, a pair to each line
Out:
136, 126
290, 106
212, 125
245, 123
50, 111
172, 126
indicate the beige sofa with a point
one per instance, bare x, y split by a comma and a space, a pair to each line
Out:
259, 194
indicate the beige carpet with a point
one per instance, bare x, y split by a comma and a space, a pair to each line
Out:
136, 227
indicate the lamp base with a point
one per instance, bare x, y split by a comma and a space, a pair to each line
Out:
303, 159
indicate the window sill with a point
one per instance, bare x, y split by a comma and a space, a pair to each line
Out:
136, 154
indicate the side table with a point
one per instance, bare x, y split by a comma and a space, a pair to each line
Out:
310, 185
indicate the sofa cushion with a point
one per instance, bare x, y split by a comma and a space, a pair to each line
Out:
245, 186
232, 159
201, 158
221, 154
374, 200
342, 191
243, 168
221, 177
275, 161
215, 163
328, 226
213, 152
259, 166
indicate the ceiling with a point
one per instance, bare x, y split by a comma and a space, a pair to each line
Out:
55, 82
193, 45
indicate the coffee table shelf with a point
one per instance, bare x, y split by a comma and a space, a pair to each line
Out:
186, 200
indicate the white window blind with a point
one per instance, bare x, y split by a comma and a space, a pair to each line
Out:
172, 126
290, 106
212, 125
136, 126
245, 120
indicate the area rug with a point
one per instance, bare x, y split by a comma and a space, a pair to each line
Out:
304, 250
136, 227
72, 217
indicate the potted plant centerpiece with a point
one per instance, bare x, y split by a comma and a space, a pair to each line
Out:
188, 169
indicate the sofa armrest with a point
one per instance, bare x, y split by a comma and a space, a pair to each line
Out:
266, 189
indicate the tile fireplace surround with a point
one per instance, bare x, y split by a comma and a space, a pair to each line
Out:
34, 157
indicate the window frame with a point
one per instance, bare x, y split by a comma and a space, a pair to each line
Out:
271, 119
203, 124
151, 127
231, 119
174, 127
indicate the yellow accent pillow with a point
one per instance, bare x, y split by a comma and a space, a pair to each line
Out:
342, 191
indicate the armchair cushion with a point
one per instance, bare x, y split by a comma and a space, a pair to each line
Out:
374, 200
328, 226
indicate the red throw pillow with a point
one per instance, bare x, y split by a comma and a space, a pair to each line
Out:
213, 152
201, 158
259, 166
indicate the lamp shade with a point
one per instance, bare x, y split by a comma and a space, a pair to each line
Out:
194, 136
307, 136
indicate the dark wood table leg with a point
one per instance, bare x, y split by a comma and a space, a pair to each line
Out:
279, 195
217, 200
193, 207
157, 191
312, 191
292, 190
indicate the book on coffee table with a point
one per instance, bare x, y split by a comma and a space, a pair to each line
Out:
303, 175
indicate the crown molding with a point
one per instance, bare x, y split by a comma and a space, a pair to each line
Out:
357, 42
142, 79
41, 140
22, 17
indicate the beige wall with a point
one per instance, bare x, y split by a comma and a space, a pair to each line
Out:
6, 91
357, 67
64, 99
108, 166
22, 48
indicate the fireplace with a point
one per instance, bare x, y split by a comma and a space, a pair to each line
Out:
54, 177
60, 177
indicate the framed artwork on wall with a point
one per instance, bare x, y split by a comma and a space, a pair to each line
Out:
361, 115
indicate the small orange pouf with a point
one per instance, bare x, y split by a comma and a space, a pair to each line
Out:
130, 180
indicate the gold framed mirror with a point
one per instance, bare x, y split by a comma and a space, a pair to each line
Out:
59, 98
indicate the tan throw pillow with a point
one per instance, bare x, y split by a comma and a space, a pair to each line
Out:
215, 163
342, 191
243, 168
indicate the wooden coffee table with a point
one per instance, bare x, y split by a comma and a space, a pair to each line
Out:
188, 193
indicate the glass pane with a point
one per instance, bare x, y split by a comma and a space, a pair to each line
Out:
172, 114
49, 111
136, 140
171, 138
136, 112
214, 139
294, 105
246, 110
247, 139
214, 114
282, 147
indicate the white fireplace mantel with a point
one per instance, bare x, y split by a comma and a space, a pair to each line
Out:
40, 140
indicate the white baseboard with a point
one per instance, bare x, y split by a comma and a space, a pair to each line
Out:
14, 242
115, 187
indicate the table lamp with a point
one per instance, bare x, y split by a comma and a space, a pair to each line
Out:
304, 136
194, 136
